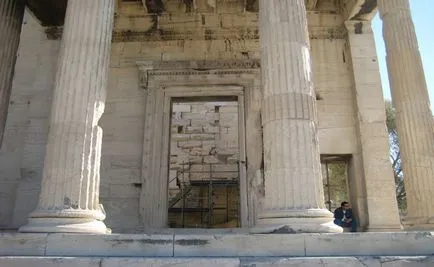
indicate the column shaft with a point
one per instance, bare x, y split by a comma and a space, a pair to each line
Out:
69, 200
293, 185
11, 19
413, 114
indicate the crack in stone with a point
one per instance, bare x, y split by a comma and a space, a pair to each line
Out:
283, 230
362, 261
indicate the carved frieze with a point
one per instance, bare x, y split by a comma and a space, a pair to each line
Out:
200, 65
148, 69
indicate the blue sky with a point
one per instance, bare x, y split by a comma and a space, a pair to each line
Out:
424, 22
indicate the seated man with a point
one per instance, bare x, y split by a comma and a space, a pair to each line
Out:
344, 217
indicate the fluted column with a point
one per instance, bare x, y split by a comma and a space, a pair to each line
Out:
11, 19
294, 199
413, 115
69, 200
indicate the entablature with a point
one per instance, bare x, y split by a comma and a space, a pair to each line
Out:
52, 12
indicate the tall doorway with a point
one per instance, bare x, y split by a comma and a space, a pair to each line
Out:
206, 162
164, 89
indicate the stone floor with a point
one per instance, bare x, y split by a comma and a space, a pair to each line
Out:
221, 262
230, 249
219, 245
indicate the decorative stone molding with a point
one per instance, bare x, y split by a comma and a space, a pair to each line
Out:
147, 69
250, 34
144, 74
327, 32
200, 65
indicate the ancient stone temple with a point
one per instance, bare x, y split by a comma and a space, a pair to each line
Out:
207, 128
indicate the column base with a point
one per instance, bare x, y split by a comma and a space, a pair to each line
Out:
65, 225
294, 222
384, 228
419, 227
418, 224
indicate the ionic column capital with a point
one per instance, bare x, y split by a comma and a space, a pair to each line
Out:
393, 7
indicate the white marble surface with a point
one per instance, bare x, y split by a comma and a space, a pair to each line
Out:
292, 176
221, 262
219, 245
69, 198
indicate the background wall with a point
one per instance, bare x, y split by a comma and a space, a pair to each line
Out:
225, 32
204, 144
23, 149
210, 33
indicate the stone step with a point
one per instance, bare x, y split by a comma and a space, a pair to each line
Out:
215, 244
221, 262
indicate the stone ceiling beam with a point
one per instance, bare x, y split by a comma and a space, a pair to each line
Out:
362, 10
155, 6
48, 12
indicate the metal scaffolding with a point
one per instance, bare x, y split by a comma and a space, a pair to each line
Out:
185, 202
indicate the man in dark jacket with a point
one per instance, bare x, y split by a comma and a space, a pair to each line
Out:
344, 217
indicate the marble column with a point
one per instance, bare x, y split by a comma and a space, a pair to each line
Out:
294, 198
379, 182
413, 114
11, 19
69, 200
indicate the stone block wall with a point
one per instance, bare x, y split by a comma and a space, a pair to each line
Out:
121, 159
204, 146
226, 32
23, 149
221, 32
203, 134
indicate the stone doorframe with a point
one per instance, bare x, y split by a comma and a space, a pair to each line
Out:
167, 79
